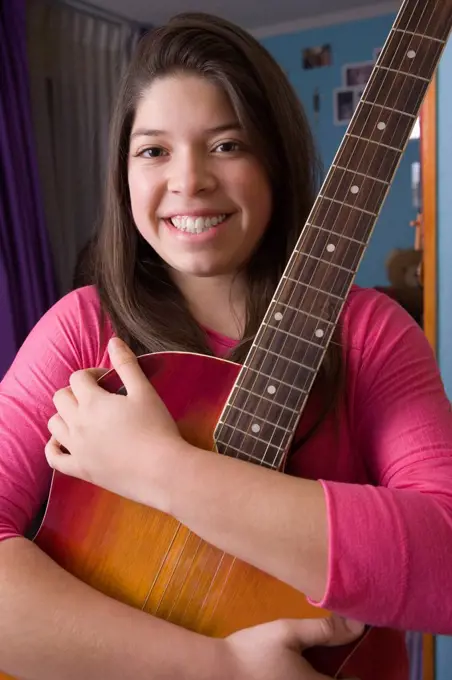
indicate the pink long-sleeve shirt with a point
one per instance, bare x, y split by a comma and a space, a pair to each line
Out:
385, 464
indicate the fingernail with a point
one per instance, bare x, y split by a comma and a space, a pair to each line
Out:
354, 626
115, 343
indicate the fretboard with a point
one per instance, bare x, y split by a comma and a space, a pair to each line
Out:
272, 388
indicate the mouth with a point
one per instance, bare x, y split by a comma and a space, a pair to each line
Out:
196, 224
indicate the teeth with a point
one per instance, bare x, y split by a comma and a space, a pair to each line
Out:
196, 225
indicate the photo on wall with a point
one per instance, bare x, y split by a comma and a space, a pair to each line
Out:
357, 74
346, 99
344, 105
316, 57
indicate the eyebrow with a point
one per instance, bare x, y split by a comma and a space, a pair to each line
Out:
146, 132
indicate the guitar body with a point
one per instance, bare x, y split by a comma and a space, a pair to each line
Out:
150, 561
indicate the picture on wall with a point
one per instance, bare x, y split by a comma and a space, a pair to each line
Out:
344, 105
357, 74
316, 57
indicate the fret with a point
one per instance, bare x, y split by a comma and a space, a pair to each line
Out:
361, 174
254, 445
403, 73
293, 335
348, 251
286, 371
388, 108
251, 419
342, 220
270, 379
359, 192
389, 127
349, 205
319, 275
367, 156
414, 16
298, 311
311, 300
329, 262
413, 55
398, 91
419, 35
271, 434
306, 353
385, 146
235, 452
334, 233
242, 393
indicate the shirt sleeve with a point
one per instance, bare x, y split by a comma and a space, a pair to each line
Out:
391, 540
65, 339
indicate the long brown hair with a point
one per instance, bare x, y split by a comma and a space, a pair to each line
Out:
146, 307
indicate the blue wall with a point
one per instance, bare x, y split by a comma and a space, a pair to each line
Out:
444, 645
350, 42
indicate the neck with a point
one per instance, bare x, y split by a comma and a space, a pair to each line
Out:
217, 303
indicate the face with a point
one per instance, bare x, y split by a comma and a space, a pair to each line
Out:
199, 195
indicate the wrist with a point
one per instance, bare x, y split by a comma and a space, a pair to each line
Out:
164, 473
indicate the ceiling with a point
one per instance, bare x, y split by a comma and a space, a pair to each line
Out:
251, 14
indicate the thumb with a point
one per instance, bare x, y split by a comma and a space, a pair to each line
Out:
330, 631
126, 365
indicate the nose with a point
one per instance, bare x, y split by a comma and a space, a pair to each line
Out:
190, 173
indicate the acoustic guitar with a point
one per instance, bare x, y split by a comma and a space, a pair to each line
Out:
149, 560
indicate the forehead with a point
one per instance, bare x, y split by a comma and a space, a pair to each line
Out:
182, 101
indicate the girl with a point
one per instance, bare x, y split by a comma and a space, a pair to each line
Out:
212, 175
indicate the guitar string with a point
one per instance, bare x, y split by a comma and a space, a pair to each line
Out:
252, 353
384, 189
270, 441
299, 248
193, 562
224, 585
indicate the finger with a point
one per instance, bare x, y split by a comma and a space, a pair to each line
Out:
127, 367
58, 429
84, 383
62, 462
65, 403
329, 631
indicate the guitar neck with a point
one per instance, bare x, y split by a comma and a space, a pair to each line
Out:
272, 388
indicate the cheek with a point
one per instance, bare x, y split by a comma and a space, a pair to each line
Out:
257, 194
142, 193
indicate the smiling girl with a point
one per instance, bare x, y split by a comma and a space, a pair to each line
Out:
212, 174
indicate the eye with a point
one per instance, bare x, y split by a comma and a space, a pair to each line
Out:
228, 147
152, 152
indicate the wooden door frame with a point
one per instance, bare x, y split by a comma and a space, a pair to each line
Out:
429, 212
429, 264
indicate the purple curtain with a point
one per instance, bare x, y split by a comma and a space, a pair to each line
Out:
27, 286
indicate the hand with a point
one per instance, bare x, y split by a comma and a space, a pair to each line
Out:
118, 442
273, 651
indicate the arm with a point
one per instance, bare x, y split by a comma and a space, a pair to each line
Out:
53, 627
390, 544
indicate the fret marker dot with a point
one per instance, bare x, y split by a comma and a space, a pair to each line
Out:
381, 125
331, 247
271, 389
411, 54
354, 189
278, 316
319, 333
255, 427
